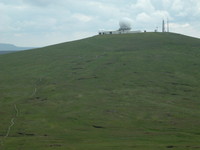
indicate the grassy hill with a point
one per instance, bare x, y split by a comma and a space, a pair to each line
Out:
109, 92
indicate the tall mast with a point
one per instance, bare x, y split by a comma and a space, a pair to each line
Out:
163, 26
167, 25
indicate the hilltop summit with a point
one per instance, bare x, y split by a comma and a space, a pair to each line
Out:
129, 91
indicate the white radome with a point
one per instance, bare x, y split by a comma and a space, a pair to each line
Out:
125, 24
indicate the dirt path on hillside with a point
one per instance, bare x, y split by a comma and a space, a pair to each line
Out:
12, 123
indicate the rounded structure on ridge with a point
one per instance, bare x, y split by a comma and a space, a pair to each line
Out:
125, 24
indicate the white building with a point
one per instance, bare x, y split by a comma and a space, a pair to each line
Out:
125, 28
118, 32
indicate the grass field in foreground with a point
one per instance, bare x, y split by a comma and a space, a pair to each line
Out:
111, 92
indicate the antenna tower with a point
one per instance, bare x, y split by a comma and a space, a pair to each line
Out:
163, 26
167, 25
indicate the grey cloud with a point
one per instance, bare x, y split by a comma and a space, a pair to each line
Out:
64, 20
40, 3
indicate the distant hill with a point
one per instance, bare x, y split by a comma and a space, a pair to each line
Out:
6, 52
10, 47
109, 92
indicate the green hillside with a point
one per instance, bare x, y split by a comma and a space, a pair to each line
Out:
110, 92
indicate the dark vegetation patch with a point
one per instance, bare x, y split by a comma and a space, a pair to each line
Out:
98, 127
55, 145
86, 78
38, 99
170, 146
174, 94
26, 134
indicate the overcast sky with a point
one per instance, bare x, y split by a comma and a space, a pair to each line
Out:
47, 22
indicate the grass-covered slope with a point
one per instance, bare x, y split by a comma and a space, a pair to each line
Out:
112, 92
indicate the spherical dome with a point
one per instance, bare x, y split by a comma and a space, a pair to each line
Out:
125, 24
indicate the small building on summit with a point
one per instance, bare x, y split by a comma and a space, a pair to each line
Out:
125, 28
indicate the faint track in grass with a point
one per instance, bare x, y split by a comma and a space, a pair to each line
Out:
36, 89
34, 92
12, 123
16, 109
